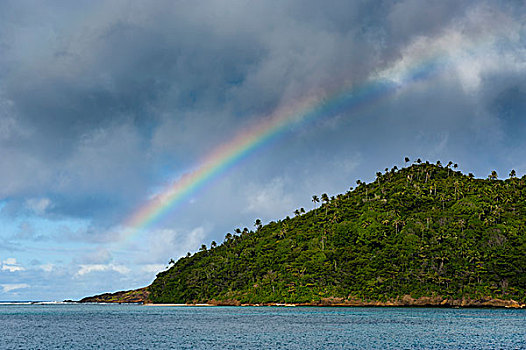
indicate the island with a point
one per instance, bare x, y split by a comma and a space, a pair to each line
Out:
422, 235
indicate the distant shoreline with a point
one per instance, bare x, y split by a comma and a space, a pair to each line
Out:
404, 301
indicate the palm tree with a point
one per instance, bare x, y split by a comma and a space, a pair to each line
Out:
213, 244
228, 236
238, 231
302, 210
378, 176
397, 223
283, 230
513, 173
297, 212
315, 200
203, 248
407, 160
447, 166
418, 161
493, 175
257, 224
325, 199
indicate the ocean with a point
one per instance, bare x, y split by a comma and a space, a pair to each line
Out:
98, 326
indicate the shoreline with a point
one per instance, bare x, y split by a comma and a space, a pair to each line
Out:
343, 305
406, 301
141, 296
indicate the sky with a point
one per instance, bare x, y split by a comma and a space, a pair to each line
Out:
133, 132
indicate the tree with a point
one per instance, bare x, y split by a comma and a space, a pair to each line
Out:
228, 236
315, 200
213, 244
461, 224
302, 210
493, 175
513, 174
396, 223
203, 248
171, 262
297, 212
325, 199
448, 167
283, 230
418, 161
407, 160
257, 224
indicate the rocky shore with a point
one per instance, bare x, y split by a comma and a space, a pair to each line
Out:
140, 296
405, 301
135, 296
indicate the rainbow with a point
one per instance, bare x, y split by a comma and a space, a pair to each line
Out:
313, 107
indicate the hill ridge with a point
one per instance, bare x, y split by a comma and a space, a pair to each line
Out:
424, 234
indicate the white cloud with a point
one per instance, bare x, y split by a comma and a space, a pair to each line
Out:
152, 269
46, 267
165, 244
268, 200
38, 205
12, 268
9, 261
99, 256
8, 287
11, 265
485, 41
89, 268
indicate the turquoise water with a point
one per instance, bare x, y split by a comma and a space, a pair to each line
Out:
72, 326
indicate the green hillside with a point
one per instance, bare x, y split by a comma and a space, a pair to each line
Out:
425, 230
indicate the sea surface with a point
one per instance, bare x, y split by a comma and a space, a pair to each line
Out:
96, 326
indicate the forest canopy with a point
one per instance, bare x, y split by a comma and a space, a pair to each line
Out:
423, 230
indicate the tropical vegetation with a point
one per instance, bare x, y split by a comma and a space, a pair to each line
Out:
423, 230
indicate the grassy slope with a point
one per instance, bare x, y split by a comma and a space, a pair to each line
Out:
425, 230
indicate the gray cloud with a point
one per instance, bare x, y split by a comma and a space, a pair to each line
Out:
135, 88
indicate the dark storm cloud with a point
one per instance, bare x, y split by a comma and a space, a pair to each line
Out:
101, 101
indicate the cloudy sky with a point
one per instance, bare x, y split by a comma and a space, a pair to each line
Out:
105, 103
